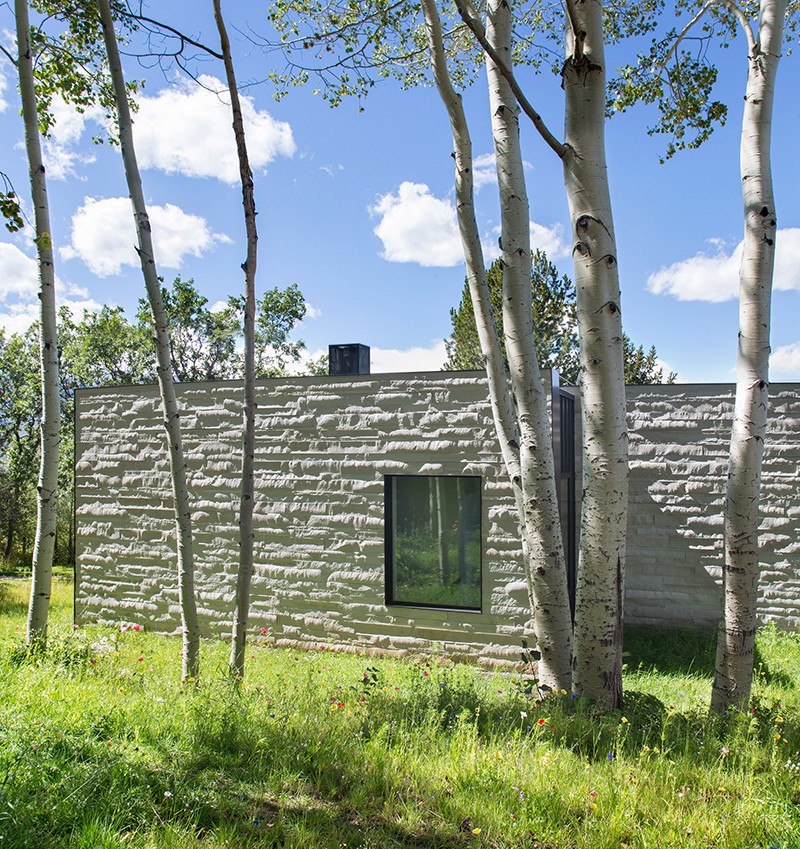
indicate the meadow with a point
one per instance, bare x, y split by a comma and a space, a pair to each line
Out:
102, 747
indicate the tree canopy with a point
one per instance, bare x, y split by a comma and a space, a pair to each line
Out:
555, 324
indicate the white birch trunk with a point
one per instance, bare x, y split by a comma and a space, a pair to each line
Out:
247, 498
547, 564
736, 641
180, 491
551, 618
442, 535
47, 487
597, 670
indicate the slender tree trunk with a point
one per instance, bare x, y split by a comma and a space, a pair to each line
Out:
10, 526
601, 562
180, 492
442, 536
47, 487
736, 641
247, 499
462, 532
551, 623
552, 619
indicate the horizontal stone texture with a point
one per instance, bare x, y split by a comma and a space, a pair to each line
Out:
679, 444
323, 448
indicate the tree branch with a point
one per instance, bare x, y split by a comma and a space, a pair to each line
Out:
477, 28
177, 33
740, 16
8, 56
577, 33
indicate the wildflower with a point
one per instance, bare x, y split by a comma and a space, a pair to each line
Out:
476, 831
778, 719
593, 806
137, 627
167, 794
624, 720
264, 632
610, 756
541, 721
724, 751
140, 659
563, 692
776, 736
592, 793
523, 714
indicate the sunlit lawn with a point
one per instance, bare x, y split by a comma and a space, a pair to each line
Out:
101, 746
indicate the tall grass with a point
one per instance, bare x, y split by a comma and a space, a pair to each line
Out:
101, 746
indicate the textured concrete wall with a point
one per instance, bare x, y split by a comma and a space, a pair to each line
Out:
679, 443
323, 448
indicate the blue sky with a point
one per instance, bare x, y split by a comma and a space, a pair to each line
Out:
357, 209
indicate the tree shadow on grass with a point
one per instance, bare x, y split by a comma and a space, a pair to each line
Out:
10, 604
679, 652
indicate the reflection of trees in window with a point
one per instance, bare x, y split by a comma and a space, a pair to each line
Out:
434, 541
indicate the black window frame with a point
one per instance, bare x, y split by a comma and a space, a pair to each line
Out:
388, 512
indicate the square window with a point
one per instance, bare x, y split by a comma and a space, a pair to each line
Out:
433, 541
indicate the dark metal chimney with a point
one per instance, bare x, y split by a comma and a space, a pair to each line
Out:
348, 359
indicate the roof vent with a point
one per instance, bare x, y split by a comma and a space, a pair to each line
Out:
348, 359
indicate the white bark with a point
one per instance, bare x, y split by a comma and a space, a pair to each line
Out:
551, 621
47, 487
247, 498
601, 562
441, 533
736, 641
180, 492
542, 526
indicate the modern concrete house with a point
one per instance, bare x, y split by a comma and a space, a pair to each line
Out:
383, 517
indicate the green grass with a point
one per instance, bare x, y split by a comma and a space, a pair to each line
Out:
102, 748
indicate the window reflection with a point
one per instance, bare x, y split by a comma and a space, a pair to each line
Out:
434, 541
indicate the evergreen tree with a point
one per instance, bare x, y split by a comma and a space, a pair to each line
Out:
554, 320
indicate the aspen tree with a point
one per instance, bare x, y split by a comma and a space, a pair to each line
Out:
247, 497
681, 84
47, 487
177, 460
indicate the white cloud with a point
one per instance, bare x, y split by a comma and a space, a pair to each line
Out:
19, 287
3, 86
408, 359
550, 240
186, 129
103, 235
785, 361
484, 170
715, 278
312, 311
416, 226
547, 239
59, 151
19, 275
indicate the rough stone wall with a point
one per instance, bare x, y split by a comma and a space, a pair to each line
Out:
323, 448
679, 444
